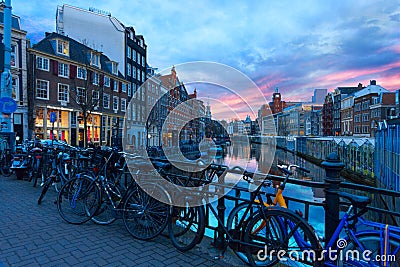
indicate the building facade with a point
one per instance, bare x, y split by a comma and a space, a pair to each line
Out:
18, 64
338, 94
347, 109
363, 99
103, 32
75, 82
327, 115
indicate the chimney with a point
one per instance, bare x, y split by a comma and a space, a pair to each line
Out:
360, 86
372, 82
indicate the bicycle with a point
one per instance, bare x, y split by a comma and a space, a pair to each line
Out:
144, 216
337, 251
188, 229
5, 158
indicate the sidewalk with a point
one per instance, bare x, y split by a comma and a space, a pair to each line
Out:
33, 235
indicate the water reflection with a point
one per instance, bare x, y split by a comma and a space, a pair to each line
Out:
257, 157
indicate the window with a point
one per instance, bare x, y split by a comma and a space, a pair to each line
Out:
106, 101
134, 55
63, 47
138, 74
143, 61
106, 81
123, 104
13, 59
134, 71
124, 88
42, 63
114, 68
63, 90
15, 89
63, 70
115, 103
115, 86
129, 52
81, 95
128, 69
129, 89
96, 78
42, 89
95, 98
95, 59
81, 73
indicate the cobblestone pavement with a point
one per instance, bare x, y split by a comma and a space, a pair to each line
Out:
33, 235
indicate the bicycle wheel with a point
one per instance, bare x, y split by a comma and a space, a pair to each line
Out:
277, 234
144, 216
78, 200
35, 172
235, 229
374, 244
46, 186
106, 214
186, 227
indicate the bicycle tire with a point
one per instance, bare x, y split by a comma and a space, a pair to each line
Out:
144, 216
46, 187
186, 227
278, 229
78, 200
233, 221
371, 240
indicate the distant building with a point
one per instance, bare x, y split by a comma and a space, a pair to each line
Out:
363, 99
327, 115
299, 120
338, 94
319, 96
347, 109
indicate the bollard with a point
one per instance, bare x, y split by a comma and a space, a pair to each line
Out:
332, 166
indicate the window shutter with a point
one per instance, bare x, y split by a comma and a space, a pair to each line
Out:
112, 84
55, 67
120, 87
72, 71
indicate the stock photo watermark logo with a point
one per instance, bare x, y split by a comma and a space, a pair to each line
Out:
179, 115
341, 254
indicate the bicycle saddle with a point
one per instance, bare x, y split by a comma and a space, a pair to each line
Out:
357, 201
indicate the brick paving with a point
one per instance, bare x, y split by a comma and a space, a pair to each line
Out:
33, 235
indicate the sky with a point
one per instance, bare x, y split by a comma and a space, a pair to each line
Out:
294, 45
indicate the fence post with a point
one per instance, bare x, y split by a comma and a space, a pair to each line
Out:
220, 241
332, 166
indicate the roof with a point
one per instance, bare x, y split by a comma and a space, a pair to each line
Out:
348, 139
14, 21
370, 89
78, 52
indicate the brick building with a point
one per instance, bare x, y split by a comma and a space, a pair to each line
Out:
363, 100
67, 77
327, 115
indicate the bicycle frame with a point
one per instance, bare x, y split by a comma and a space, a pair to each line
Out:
352, 235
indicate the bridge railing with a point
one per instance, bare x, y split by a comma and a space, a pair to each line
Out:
331, 186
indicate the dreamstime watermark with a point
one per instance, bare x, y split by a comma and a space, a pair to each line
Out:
333, 255
176, 120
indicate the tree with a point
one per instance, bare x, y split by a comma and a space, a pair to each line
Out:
87, 96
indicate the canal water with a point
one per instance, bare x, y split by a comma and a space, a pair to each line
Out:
256, 157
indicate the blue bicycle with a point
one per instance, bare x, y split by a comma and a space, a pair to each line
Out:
283, 236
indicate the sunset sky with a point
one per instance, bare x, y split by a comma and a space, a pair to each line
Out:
294, 45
